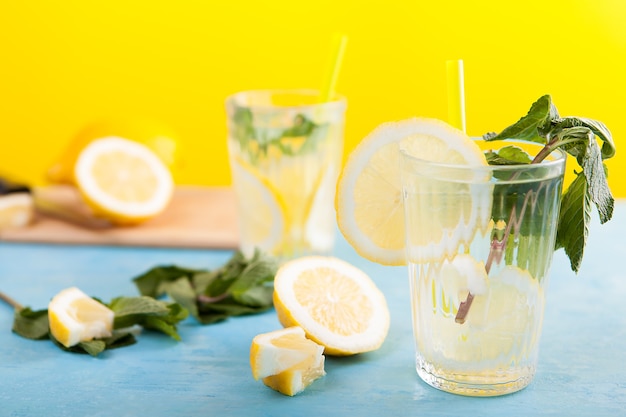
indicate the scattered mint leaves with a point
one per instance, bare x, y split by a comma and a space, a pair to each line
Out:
576, 136
241, 286
130, 312
148, 313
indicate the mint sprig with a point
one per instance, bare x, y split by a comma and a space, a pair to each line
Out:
129, 312
241, 286
576, 136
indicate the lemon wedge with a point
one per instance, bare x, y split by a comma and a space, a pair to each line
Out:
75, 317
16, 210
336, 304
369, 202
286, 360
123, 181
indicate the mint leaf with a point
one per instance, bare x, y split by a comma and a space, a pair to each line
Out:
31, 324
151, 282
250, 288
580, 141
574, 221
598, 128
93, 347
148, 313
541, 113
508, 155
302, 126
97, 346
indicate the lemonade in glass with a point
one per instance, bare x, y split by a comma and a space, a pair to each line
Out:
477, 223
285, 149
479, 242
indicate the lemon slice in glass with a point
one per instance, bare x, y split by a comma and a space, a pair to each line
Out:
265, 219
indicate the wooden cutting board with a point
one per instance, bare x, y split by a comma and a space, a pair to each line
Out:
197, 217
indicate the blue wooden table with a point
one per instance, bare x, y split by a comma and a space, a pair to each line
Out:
582, 361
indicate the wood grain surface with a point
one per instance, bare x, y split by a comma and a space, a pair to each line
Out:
197, 217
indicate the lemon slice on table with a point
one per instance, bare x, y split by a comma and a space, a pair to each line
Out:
264, 213
123, 181
286, 360
336, 304
369, 202
75, 317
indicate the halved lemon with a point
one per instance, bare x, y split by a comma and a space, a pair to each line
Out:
75, 317
263, 220
336, 304
123, 181
369, 201
286, 360
157, 136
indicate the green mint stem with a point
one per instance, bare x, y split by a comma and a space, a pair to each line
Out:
10, 301
497, 246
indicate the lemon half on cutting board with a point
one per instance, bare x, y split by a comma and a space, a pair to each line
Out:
123, 181
157, 136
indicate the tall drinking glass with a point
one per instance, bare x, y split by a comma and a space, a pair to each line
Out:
479, 245
285, 150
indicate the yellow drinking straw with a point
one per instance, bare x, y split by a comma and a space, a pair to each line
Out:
332, 72
456, 94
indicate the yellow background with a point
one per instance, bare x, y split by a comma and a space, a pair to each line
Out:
66, 63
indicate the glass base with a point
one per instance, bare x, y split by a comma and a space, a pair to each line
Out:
474, 384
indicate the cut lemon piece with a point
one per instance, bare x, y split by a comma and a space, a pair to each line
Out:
16, 210
263, 220
336, 304
286, 360
123, 181
369, 192
75, 317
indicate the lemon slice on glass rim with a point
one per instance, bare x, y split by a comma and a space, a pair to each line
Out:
369, 201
